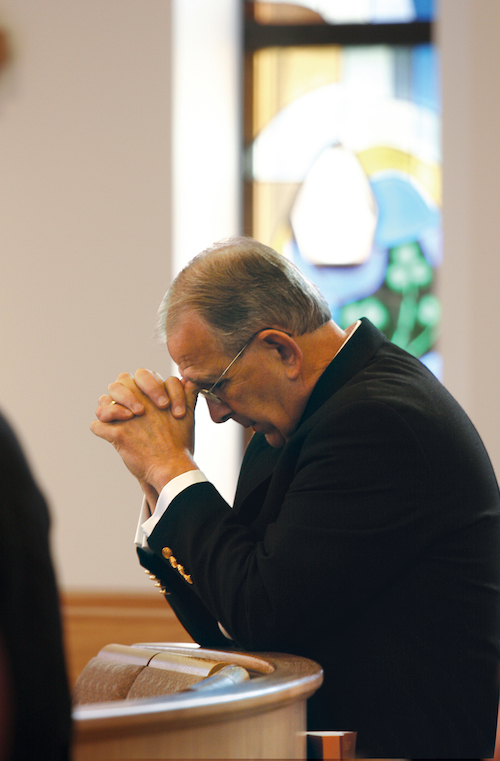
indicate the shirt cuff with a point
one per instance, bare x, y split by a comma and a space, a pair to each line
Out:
172, 489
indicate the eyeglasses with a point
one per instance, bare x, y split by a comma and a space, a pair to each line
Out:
208, 393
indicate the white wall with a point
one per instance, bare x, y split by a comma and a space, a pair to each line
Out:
470, 277
206, 197
85, 247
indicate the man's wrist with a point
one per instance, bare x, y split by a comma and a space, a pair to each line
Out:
173, 488
172, 469
150, 494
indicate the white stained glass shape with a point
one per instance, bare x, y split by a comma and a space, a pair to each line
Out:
334, 215
359, 11
289, 144
369, 71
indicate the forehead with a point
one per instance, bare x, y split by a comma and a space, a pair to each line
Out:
194, 349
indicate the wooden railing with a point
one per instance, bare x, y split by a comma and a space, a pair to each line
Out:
256, 711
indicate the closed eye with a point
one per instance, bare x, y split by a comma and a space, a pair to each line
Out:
220, 385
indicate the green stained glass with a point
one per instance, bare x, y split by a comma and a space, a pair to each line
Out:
408, 269
371, 307
429, 311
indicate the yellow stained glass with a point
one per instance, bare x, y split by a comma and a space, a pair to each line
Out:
381, 159
281, 75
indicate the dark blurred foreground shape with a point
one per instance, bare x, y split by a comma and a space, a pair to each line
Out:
35, 714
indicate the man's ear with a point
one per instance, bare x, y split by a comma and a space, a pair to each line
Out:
287, 348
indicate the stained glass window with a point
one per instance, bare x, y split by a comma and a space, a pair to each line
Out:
343, 164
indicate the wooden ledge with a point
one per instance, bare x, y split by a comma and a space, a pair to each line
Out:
278, 681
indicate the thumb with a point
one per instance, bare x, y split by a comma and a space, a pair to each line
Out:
191, 396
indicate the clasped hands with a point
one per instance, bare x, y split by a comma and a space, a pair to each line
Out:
150, 422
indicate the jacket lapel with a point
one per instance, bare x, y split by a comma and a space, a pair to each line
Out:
256, 472
358, 351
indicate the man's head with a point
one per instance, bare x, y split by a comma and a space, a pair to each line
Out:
241, 311
238, 286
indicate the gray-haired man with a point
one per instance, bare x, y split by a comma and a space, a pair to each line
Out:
365, 528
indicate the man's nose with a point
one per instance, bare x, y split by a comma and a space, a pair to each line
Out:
219, 412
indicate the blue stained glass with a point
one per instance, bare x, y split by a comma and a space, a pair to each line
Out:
403, 213
425, 87
431, 243
434, 362
424, 10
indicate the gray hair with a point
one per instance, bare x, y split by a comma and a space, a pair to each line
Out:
239, 286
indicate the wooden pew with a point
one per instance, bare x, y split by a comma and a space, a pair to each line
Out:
230, 704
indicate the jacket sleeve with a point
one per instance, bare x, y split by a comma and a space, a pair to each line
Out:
187, 606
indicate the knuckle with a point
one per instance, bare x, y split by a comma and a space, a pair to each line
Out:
172, 384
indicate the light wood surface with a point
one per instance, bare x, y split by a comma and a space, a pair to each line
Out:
263, 717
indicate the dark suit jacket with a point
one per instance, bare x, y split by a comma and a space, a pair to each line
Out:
33, 667
370, 543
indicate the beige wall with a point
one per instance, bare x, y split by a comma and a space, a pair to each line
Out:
85, 235
85, 248
470, 277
